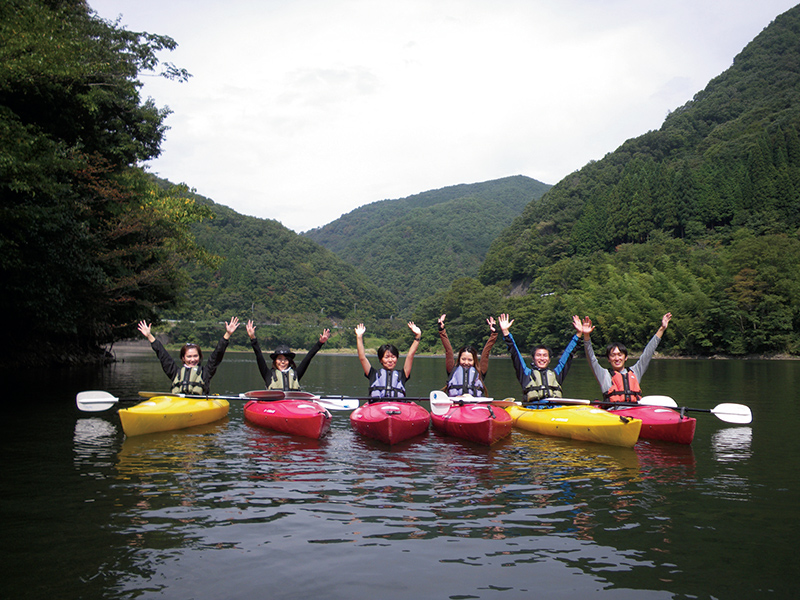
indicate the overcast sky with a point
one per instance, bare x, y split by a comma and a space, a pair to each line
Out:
303, 110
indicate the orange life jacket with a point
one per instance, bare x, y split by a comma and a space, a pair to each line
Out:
624, 388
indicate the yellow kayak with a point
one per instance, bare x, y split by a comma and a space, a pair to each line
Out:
586, 423
165, 413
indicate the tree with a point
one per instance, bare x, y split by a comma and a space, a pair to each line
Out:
88, 244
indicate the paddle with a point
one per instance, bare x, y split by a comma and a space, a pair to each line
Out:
664, 401
441, 402
329, 402
728, 412
95, 401
194, 396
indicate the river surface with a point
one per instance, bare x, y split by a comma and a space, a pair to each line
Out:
231, 511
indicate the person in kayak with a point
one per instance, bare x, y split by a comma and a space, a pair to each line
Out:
284, 374
386, 382
539, 383
620, 384
191, 377
465, 374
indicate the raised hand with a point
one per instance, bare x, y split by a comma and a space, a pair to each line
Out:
417, 331
231, 326
144, 329
505, 322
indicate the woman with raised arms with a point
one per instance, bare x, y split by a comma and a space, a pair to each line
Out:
190, 377
387, 382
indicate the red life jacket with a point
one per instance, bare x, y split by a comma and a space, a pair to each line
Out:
624, 388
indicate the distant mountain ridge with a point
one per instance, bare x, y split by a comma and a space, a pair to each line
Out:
416, 245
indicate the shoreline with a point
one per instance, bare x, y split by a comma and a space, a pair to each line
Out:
144, 344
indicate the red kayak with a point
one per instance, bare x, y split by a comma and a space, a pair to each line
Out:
659, 423
390, 421
476, 422
298, 417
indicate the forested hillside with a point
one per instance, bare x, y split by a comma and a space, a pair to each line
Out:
418, 245
700, 217
291, 286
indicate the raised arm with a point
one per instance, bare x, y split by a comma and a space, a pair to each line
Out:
230, 327
413, 349
449, 361
323, 337
219, 352
144, 329
584, 327
483, 368
263, 367
362, 356
664, 323
505, 322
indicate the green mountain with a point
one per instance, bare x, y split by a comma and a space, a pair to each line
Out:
276, 277
417, 245
700, 217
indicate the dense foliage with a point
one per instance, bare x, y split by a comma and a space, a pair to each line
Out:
87, 243
290, 286
420, 244
700, 218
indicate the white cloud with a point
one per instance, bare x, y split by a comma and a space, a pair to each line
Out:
303, 110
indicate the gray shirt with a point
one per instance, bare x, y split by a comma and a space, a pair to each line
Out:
604, 377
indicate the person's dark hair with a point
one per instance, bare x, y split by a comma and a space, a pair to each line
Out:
618, 345
185, 347
470, 350
387, 347
541, 347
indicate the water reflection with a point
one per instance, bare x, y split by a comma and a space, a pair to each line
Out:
94, 444
186, 514
732, 444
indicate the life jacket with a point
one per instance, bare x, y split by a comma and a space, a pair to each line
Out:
284, 380
387, 384
189, 380
543, 384
624, 388
458, 385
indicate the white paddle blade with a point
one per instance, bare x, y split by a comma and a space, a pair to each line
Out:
440, 402
733, 413
664, 401
338, 403
95, 401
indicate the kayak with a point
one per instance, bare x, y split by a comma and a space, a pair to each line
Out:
305, 418
585, 423
390, 421
476, 422
165, 413
659, 423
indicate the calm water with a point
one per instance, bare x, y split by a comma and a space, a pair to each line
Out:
231, 511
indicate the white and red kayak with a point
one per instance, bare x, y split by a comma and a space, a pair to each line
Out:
476, 422
299, 417
660, 423
390, 421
